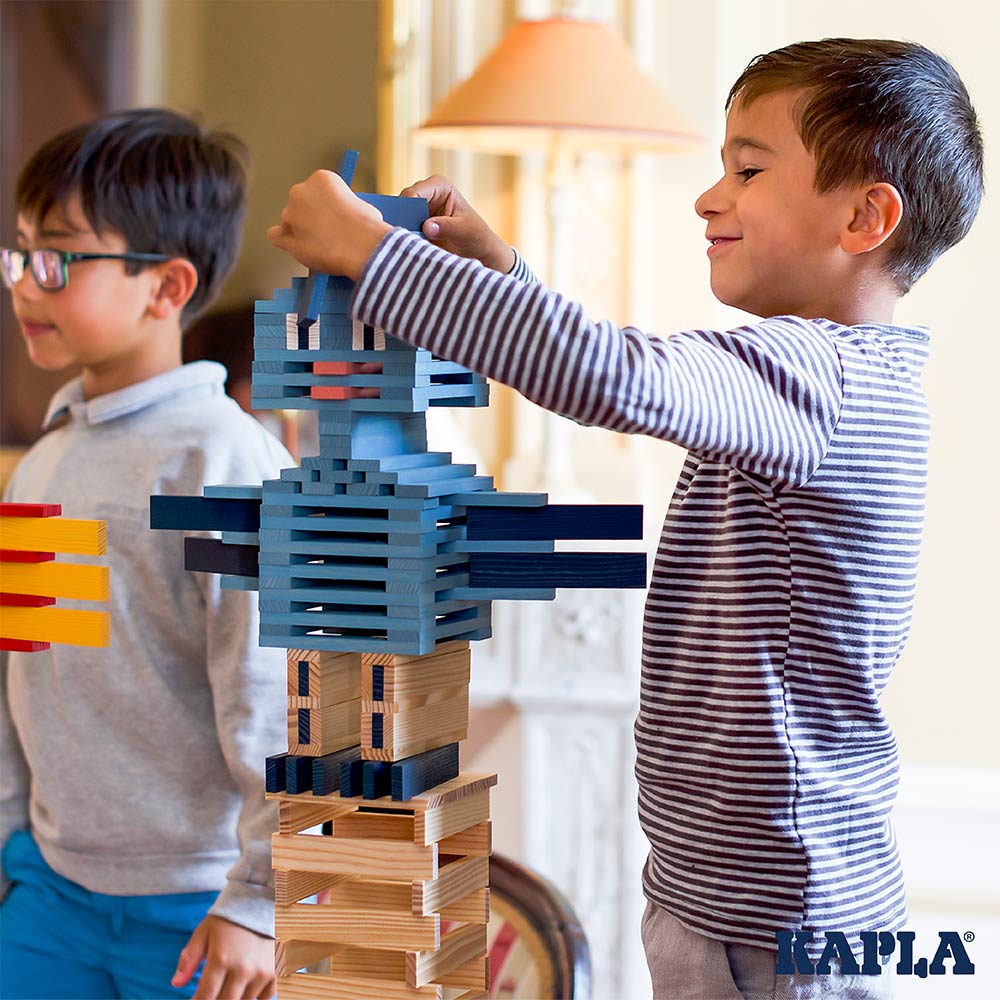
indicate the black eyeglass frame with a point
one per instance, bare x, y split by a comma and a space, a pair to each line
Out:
66, 257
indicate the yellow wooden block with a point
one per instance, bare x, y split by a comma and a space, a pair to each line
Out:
53, 534
76, 628
55, 579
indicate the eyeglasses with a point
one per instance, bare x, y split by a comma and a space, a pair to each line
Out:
50, 268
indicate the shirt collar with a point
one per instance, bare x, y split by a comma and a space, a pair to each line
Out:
69, 399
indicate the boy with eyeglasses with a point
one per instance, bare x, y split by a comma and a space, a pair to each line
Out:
136, 835
783, 586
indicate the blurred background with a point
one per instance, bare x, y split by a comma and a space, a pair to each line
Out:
556, 689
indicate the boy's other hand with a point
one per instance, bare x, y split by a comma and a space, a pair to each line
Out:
239, 964
456, 227
327, 227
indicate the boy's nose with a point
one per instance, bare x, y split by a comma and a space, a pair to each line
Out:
709, 203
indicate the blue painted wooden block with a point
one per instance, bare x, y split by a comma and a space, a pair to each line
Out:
298, 774
377, 778
274, 773
327, 770
414, 775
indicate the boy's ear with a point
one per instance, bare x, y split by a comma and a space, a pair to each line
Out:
878, 211
176, 282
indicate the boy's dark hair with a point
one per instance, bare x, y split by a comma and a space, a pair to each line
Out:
156, 177
891, 111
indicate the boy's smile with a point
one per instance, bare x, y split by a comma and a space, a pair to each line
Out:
103, 319
776, 243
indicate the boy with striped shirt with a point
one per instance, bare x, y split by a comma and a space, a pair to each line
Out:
783, 586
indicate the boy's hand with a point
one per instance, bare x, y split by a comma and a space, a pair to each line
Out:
239, 964
327, 227
455, 226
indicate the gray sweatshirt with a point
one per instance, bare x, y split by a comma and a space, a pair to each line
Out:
139, 768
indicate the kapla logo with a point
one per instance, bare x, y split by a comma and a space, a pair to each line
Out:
793, 957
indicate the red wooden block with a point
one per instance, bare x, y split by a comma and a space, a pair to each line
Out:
22, 645
30, 509
335, 367
16, 555
332, 392
25, 601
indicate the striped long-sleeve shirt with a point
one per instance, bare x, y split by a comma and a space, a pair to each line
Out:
782, 589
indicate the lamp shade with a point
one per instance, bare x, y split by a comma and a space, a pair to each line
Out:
562, 81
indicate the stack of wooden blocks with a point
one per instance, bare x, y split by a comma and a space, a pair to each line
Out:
31, 579
399, 858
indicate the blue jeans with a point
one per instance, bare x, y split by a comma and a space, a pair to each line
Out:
59, 940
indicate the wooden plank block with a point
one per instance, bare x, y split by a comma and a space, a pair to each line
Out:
290, 956
333, 727
407, 685
53, 534
274, 772
10, 509
583, 570
365, 963
384, 930
290, 887
187, 513
416, 774
77, 628
454, 882
555, 521
458, 946
56, 579
25, 601
476, 841
329, 677
474, 909
395, 659
305, 986
326, 770
444, 821
474, 974
361, 824
457, 788
294, 817
415, 730
22, 646
365, 894
10, 555
343, 856
209, 555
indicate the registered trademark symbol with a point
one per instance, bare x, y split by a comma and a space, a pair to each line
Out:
969, 936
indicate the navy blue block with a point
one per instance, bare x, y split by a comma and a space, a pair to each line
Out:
298, 773
377, 730
377, 778
210, 555
352, 780
584, 570
424, 770
303, 687
327, 828
274, 773
310, 303
204, 514
554, 521
378, 682
303, 725
328, 769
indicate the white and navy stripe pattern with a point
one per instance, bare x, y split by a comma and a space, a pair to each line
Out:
782, 589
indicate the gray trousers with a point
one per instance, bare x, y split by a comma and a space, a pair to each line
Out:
689, 966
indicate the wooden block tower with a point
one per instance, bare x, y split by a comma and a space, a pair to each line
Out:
376, 563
